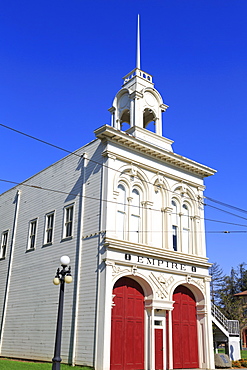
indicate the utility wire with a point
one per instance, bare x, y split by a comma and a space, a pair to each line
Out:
104, 200
222, 210
226, 204
102, 164
88, 159
41, 141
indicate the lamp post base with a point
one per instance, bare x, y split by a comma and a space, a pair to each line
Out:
56, 363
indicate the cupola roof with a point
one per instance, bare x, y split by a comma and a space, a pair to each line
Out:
138, 105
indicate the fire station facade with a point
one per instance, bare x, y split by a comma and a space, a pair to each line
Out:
128, 211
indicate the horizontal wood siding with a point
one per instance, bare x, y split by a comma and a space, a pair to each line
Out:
7, 214
89, 268
33, 299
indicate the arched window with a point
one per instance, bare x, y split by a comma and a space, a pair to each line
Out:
135, 217
186, 228
175, 224
121, 212
157, 220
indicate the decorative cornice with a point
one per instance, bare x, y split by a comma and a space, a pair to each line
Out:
111, 134
144, 166
147, 250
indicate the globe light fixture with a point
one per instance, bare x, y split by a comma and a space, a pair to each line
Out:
63, 275
68, 279
65, 260
56, 281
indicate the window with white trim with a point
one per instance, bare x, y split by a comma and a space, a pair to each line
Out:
186, 228
157, 219
49, 226
135, 216
129, 213
4, 241
121, 211
32, 234
68, 221
175, 224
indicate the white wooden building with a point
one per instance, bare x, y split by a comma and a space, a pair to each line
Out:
128, 211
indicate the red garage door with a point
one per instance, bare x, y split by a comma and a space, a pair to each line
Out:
184, 329
127, 327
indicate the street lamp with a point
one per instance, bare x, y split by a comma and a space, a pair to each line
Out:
62, 275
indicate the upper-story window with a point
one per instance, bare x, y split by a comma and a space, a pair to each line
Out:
121, 211
135, 216
181, 226
157, 222
186, 228
129, 214
4, 241
49, 226
68, 221
32, 234
175, 225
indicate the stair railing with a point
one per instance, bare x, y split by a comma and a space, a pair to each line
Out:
232, 326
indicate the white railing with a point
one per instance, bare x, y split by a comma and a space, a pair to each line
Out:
137, 72
232, 326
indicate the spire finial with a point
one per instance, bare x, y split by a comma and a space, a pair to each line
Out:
138, 52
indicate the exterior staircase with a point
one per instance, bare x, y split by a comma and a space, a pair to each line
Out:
227, 332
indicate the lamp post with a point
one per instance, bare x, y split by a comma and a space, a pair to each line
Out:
62, 275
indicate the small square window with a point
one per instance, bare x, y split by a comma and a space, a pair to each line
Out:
157, 322
4, 241
68, 221
32, 234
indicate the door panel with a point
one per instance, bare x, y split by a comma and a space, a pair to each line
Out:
127, 346
159, 363
184, 330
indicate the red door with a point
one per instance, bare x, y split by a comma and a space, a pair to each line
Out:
184, 330
127, 326
159, 364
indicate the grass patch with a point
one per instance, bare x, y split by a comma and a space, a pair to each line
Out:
6, 364
244, 354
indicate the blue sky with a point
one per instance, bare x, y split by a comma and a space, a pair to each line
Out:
62, 62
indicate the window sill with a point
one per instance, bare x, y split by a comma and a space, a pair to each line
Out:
66, 238
46, 245
30, 250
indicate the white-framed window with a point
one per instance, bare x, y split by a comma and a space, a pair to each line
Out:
68, 221
49, 226
129, 213
157, 219
175, 225
186, 228
135, 216
121, 211
32, 234
4, 241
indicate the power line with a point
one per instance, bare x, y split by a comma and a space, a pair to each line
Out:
37, 139
104, 200
88, 159
103, 165
225, 222
225, 204
222, 210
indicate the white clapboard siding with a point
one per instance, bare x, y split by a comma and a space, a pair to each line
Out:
31, 311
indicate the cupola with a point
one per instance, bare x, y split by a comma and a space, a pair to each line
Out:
138, 103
